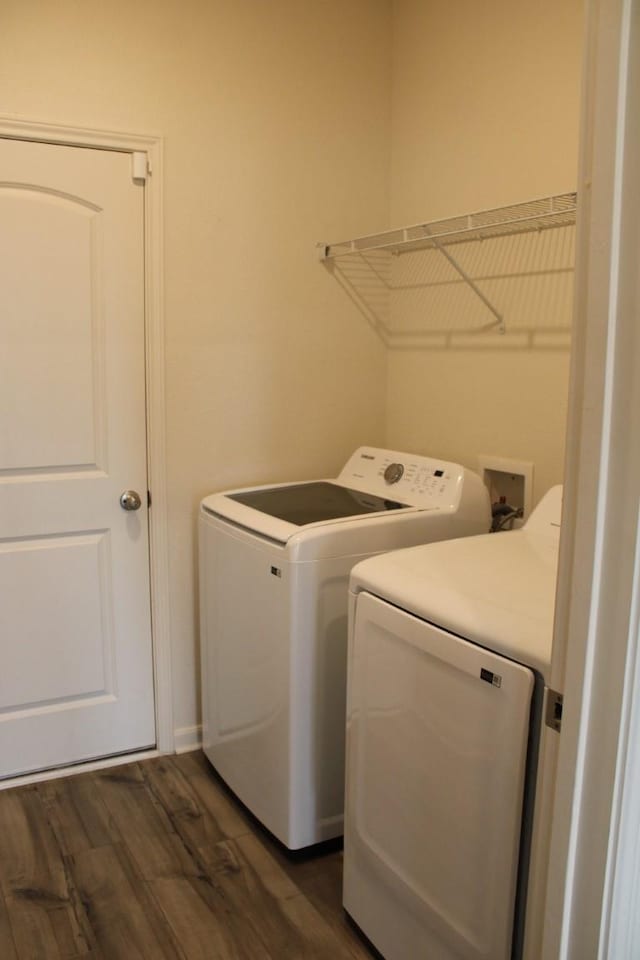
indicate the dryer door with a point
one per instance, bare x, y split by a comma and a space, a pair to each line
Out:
437, 742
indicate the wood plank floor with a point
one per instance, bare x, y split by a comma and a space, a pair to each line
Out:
155, 860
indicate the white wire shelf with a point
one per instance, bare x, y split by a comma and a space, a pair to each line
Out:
526, 217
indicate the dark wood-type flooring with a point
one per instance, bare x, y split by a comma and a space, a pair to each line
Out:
155, 860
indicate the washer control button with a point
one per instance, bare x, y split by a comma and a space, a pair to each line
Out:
393, 472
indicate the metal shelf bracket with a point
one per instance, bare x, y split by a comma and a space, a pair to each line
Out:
499, 319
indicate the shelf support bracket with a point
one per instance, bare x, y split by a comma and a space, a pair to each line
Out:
499, 321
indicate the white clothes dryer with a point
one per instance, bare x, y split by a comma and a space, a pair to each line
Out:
449, 654
274, 569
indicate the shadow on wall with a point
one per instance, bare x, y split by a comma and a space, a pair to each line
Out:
418, 299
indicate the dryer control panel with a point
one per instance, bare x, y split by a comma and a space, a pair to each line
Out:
413, 479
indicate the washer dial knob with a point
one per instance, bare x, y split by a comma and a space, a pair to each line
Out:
393, 472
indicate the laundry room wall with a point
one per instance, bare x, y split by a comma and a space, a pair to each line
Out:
288, 123
276, 119
485, 113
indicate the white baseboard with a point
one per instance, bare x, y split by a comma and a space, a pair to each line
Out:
187, 738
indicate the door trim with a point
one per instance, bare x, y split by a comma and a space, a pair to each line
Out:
595, 855
19, 129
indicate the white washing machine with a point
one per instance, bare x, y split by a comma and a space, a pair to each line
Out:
449, 654
274, 569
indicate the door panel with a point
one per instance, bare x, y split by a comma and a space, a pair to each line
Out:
70, 615
51, 329
75, 633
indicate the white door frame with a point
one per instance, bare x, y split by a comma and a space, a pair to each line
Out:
20, 129
593, 898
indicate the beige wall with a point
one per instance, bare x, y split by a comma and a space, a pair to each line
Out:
282, 123
276, 124
485, 112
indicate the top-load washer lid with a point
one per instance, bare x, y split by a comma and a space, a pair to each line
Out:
374, 485
303, 503
497, 590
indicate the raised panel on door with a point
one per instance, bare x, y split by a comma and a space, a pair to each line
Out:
75, 632
52, 330
72, 577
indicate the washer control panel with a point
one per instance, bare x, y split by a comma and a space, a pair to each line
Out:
394, 472
407, 478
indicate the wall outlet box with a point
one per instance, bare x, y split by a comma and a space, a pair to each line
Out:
508, 479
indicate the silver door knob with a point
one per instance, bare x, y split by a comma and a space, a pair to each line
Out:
130, 500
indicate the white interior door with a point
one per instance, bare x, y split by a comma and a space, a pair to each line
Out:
76, 680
